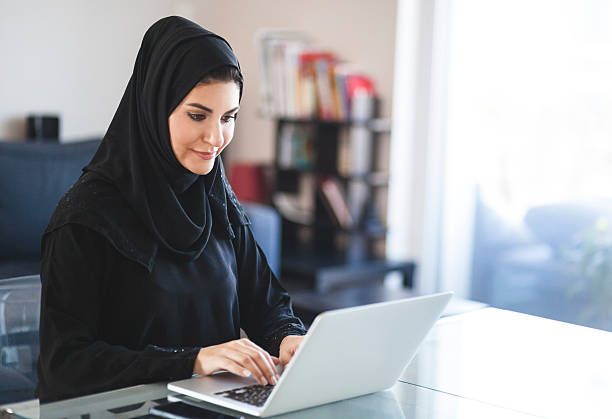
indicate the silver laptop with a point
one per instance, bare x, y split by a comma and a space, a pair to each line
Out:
346, 353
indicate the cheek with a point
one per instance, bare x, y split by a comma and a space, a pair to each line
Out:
228, 134
174, 133
180, 135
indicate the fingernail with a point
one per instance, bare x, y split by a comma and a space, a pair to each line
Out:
246, 373
274, 380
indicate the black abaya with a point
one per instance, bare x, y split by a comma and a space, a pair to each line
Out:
108, 322
144, 262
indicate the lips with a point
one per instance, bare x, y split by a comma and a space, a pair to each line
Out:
204, 155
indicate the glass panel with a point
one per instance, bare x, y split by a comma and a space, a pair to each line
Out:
530, 105
19, 323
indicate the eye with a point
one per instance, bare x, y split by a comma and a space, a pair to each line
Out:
228, 118
196, 116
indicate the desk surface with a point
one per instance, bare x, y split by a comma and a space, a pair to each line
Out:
529, 364
485, 364
401, 401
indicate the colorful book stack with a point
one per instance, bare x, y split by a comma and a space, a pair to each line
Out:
301, 81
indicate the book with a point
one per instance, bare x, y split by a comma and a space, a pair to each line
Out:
317, 94
297, 207
289, 207
295, 147
340, 91
277, 53
361, 138
307, 93
334, 200
324, 71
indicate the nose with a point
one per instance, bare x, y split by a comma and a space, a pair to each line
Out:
213, 135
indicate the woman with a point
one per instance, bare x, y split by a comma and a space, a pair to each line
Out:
149, 266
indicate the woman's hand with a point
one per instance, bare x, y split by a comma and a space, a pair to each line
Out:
288, 346
241, 357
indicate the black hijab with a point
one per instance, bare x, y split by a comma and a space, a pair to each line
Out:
136, 155
134, 191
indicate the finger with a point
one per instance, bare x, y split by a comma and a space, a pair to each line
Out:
275, 359
265, 364
262, 358
265, 353
234, 367
286, 354
285, 357
246, 361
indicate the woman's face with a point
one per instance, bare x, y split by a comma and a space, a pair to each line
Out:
202, 125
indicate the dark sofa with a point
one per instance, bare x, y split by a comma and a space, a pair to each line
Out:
33, 178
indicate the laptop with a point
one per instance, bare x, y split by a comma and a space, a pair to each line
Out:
346, 353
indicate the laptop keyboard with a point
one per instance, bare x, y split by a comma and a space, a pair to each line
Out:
255, 394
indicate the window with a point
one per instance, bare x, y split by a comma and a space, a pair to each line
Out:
528, 141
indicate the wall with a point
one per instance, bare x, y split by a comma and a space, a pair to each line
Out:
70, 57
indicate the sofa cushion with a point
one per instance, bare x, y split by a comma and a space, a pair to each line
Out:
13, 267
266, 226
33, 178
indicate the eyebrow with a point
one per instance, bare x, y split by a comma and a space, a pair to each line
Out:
204, 108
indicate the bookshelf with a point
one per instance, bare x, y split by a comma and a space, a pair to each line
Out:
330, 187
339, 240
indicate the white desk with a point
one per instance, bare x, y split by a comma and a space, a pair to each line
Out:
488, 363
524, 363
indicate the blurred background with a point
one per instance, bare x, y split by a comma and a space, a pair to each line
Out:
495, 117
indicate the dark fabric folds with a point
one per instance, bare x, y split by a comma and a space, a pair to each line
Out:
136, 155
106, 322
96, 203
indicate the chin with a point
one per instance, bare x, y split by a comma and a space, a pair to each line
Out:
201, 169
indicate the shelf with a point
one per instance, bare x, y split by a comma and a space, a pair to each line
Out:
373, 178
377, 179
324, 271
317, 248
375, 125
307, 304
378, 232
